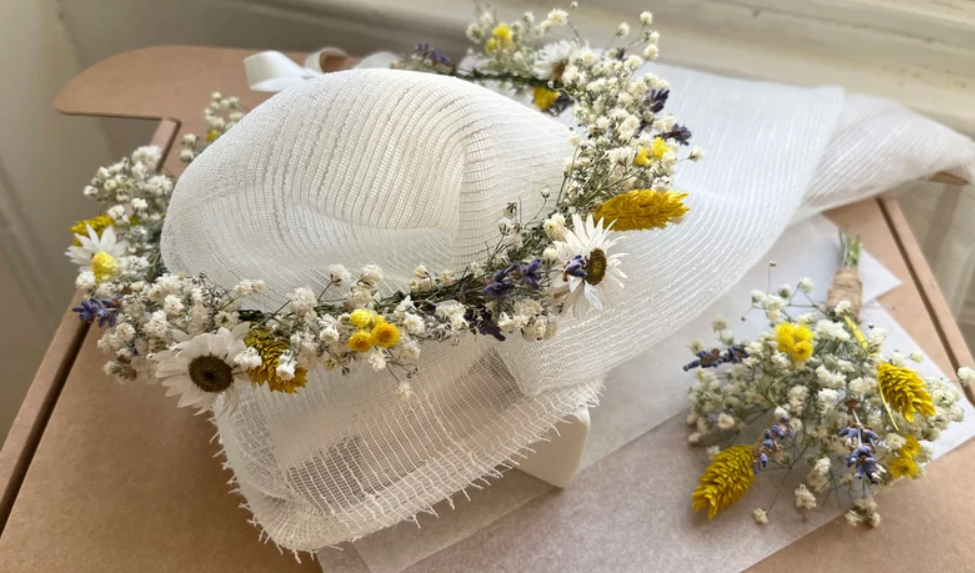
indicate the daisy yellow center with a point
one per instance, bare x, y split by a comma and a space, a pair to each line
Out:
104, 266
211, 374
596, 267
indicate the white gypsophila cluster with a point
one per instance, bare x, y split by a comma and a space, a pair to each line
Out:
624, 140
819, 408
134, 195
222, 114
152, 316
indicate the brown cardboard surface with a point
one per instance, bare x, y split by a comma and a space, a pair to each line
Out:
168, 82
28, 426
121, 481
36, 408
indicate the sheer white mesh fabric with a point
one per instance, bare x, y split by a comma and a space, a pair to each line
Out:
384, 167
397, 169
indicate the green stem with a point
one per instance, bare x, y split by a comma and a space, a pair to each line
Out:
851, 247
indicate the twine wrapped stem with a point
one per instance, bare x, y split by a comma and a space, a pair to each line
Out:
846, 283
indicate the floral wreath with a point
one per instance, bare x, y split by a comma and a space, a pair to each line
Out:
202, 340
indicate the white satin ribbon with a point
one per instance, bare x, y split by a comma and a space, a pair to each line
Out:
273, 71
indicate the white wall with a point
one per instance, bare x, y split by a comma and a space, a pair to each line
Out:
919, 52
45, 160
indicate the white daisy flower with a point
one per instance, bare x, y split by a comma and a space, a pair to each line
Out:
553, 58
590, 274
98, 254
201, 368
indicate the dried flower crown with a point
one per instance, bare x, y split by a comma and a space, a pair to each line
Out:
201, 339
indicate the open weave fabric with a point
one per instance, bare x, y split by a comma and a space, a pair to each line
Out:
398, 168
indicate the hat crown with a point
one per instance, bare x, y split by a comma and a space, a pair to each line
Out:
361, 167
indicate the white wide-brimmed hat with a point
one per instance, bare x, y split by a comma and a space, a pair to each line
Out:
399, 168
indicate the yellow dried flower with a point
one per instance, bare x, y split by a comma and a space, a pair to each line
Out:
911, 447
794, 340
99, 224
725, 481
360, 341
362, 317
802, 333
904, 390
544, 98
491, 45
213, 135
659, 148
385, 334
785, 336
502, 36
642, 158
270, 348
802, 351
104, 266
903, 466
642, 209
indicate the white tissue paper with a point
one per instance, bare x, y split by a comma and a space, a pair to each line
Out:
643, 406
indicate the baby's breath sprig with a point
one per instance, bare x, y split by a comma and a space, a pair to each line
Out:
222, 114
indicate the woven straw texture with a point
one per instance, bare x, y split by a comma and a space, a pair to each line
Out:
397, 169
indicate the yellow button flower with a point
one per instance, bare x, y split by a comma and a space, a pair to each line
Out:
794, 340
802, 351
802, 333
911, 447
385, 334
360, 341
502, 36
902, 466
785, 336
362, 317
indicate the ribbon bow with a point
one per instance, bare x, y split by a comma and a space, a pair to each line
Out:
273, 71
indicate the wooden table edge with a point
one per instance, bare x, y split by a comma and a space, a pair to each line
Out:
934, 301
42, 394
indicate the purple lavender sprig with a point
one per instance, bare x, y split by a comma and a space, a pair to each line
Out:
94, 309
